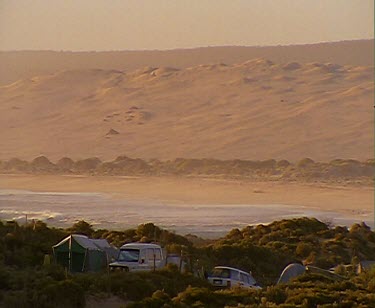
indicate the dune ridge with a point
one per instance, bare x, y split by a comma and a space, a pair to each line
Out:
17, 65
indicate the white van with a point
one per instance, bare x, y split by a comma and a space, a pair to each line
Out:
139, 257
226, 277
144, 257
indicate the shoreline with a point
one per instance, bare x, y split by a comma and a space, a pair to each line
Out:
186, 190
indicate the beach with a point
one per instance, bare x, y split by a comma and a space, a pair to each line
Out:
205, 206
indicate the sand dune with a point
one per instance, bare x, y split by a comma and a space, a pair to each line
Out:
257, 109
15, 65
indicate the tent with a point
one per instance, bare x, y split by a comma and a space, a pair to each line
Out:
78, 253
112, 252
291, 271
365, 266
295, 269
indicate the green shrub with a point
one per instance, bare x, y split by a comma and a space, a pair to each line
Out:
276, 294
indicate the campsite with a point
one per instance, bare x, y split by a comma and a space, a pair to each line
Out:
187, 154
338, 266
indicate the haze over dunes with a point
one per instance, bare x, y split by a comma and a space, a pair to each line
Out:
253, 110
16, 65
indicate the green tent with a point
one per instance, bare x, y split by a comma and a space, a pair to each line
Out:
78, 253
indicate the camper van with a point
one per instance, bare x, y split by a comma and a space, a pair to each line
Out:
226, 277
139, 257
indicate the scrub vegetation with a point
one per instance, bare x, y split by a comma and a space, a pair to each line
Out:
27, 279
341, 170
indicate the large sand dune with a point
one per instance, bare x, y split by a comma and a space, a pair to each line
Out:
15, 65
255, 109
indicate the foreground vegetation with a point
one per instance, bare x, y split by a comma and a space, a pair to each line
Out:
27, 280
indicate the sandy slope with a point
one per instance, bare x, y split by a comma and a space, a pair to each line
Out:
351, 200
252, 110
15, 65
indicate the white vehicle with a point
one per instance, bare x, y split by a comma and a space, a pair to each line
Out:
139, 257
227, 277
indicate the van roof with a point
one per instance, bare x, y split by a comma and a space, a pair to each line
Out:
140, 245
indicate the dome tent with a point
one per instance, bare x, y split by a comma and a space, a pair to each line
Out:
291, 271
78, 253
296, 269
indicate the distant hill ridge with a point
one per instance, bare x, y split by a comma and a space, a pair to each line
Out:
15, 65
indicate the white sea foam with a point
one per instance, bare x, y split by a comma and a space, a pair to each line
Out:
22, 214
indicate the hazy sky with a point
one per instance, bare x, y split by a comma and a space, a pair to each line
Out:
167, 24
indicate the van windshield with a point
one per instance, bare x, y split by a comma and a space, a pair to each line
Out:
221, 272
129, 255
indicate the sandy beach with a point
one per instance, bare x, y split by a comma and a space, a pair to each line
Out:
326, 197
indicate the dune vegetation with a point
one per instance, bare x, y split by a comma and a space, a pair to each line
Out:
28, 281
306, 169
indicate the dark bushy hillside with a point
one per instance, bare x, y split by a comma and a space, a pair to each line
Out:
267, 249
263, 249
